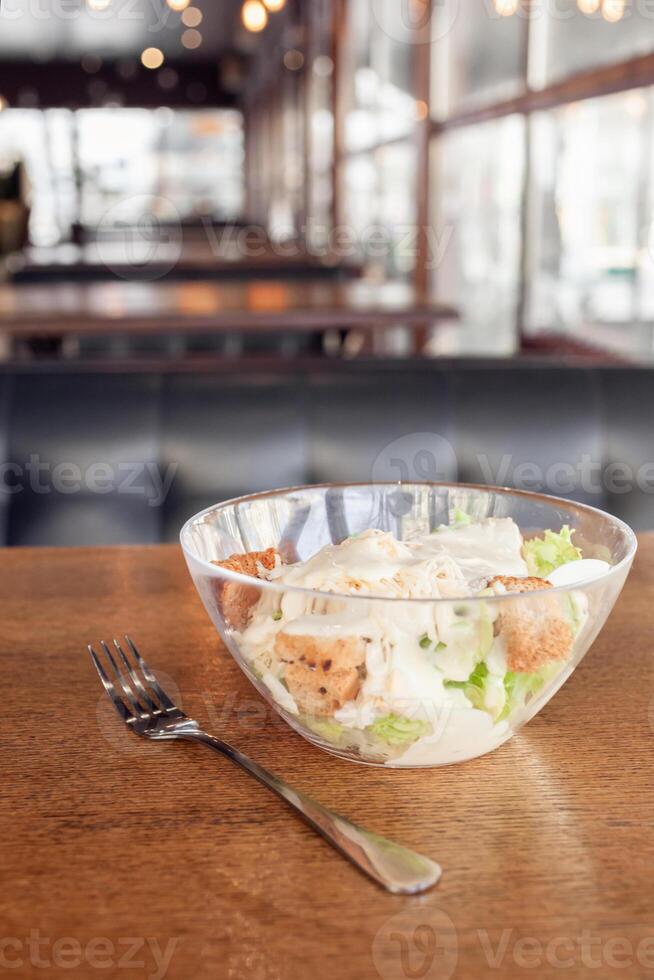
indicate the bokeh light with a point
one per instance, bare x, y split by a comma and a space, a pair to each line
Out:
152, 58
192, 17
254, 16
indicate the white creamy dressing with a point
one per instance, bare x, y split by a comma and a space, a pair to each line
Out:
491, 547
466, 734
403, 677
583, 570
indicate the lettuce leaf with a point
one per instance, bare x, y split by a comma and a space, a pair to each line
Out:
519, 687
326, 728
397, 730
460, 517
473, 688
545, 554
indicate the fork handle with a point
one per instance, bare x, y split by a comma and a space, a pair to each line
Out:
394, 867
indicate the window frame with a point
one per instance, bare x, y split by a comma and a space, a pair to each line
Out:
608, 79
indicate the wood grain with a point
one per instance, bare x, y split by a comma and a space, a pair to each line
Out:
547, 841
87, 309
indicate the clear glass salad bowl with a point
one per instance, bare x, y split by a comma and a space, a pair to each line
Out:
396, 681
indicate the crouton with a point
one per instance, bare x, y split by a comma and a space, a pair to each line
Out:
235, 600
534, 633
321, 692
322, 672
339, 652
514, 584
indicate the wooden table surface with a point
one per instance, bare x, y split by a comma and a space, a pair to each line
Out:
215, 253
80, 309
115, 850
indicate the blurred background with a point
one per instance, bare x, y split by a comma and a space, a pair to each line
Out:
252, 243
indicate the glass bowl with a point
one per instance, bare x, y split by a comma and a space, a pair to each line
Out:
371, 679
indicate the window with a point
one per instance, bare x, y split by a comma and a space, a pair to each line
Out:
379, 169
586, 198
542, 213
577, 35
319, 106
474, 250
478, 53
80, 164
379, 103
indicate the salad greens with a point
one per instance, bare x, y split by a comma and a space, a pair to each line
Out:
545, 554
518, 687
473, 688
327, 728
396, 730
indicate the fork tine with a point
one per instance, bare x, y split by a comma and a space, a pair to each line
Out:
133, 699
115, 698
136, 681
150, 678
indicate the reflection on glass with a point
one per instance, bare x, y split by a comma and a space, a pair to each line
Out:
587, 247
576, 35
474, 243
477, 54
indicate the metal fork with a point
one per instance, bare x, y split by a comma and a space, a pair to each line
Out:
145, 707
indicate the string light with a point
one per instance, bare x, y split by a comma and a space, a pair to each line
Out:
178, 5
254, 16
589, 6
192, 17
613, 10
274, 6
152, 58
506, 8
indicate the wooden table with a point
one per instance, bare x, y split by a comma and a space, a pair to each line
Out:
111, 845
75, 309
218, 253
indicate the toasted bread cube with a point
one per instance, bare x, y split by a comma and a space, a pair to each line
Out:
321, 692
340, 652
235, 599
535, 633
323, 672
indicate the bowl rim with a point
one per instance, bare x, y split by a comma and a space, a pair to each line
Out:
217, 571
